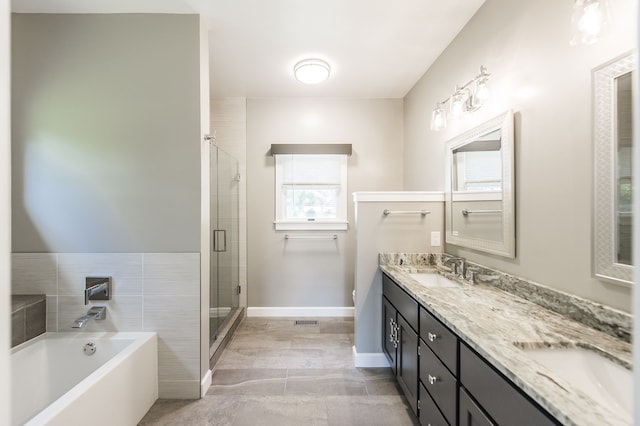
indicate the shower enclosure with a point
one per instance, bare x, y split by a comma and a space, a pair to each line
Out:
224, 253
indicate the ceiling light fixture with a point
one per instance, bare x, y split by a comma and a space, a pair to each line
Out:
588, 19
466, 98
312, 71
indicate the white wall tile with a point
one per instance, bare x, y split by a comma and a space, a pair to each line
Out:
124, 313
34, 273
172, 274
174, 366
124, 268
181, 313
179, 389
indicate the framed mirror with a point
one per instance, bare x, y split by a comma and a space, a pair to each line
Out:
479, 191
612, 170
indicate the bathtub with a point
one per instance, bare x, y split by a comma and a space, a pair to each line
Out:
56, 380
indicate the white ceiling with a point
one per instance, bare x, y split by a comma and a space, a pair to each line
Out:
377, 48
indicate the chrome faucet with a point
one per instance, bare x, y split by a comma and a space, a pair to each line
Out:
93, 288
459, 266
95, 313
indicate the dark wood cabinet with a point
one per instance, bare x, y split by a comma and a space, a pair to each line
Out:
502, 401
400, 338
389, 345
470, 413
430, 414
444, 380
407, 362
438, 381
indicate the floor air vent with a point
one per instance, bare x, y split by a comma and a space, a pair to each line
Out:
306, 322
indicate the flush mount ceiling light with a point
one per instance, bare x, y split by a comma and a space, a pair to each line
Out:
588, 20
312, 71
466, 98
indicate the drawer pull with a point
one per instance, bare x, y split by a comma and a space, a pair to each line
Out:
432, 337
432, 379
393, 336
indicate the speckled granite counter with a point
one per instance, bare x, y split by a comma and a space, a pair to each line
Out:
496, 324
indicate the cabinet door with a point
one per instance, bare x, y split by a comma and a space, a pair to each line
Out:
470, 414
407, 362
388, 332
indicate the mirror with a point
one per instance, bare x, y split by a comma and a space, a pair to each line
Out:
612, 169
479, 191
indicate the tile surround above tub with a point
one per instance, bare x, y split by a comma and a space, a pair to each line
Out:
151, 292
595, 315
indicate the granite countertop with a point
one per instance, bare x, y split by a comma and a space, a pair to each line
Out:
497, 324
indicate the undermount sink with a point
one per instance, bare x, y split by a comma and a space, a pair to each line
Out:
433, 279
597, 376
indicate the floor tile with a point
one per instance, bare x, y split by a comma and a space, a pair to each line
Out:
369, 411
248, 382
277, 373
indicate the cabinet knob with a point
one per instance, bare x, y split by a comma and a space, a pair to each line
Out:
432, 379
432, 337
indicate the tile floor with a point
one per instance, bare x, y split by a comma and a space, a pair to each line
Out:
276, 373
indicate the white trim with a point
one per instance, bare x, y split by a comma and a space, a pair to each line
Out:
369, 359
206, 383
404, 196
311, 311
318, 225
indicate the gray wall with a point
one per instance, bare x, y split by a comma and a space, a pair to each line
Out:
106, 163
525, 46
314, 273
105, 133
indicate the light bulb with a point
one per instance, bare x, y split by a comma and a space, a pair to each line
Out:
588, 20
312, 71
457, 104
482, 91
438, 119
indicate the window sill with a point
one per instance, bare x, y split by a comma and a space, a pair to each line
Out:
311, 226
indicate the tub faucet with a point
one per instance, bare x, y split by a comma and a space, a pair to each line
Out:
96, 313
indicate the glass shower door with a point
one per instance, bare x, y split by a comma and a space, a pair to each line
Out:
224, 276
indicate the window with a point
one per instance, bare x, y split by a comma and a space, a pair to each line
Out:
311, 191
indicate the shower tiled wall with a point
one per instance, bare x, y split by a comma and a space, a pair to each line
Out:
151, 292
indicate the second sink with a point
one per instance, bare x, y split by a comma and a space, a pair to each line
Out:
594, 374
433, 279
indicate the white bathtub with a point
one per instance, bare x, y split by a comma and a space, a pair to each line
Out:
53, 382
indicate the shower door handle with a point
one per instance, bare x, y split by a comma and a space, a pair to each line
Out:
219, 240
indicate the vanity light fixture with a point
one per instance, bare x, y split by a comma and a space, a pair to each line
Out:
466, 98
588, 20
312, 71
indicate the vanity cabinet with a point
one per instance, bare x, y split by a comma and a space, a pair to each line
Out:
501, 400
400, 338
444, 380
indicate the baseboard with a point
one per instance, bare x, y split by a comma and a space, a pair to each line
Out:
369, 359
205, 383
337, 311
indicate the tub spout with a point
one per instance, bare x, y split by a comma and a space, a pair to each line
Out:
96, 313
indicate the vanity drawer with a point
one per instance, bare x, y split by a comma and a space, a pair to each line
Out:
497, 396
440, 340
439, 382
403, 303
430, 415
